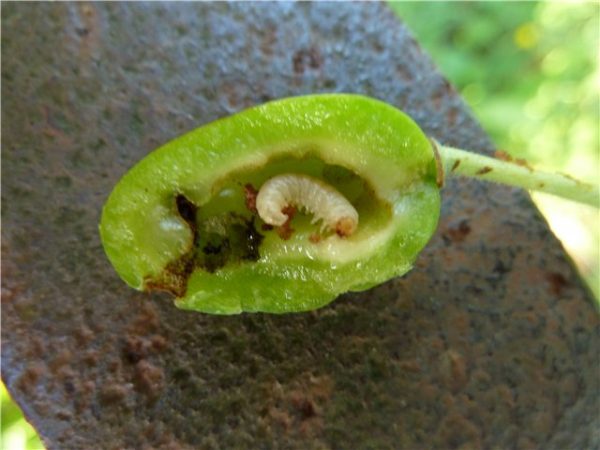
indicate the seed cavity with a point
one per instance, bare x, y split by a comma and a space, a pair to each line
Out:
306, 193
228, 238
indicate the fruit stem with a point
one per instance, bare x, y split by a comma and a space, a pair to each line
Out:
457, 162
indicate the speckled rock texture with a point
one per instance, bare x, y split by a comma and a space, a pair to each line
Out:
490, 342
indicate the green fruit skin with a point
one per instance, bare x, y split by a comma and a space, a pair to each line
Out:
142, 232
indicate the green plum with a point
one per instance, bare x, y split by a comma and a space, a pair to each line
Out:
185, 218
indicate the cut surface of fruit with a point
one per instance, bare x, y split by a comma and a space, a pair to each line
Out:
184, 219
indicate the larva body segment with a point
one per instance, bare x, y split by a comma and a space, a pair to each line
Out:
315, 196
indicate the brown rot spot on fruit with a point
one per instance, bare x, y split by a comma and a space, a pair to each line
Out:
186, 209
173, 278
226, 239
455, 165
250, 194
483, 170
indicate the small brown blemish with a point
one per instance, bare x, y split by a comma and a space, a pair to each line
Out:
174, 277
453, 370
483, 170
566, 175
451, 116
459, 233
557, 282
146, 321
268, 40
113, 394
83, 335
523, 163
186, 209
28, 380
63, 414
304, 405
84, 395
91, 358
158, 343
344, 227
89, 33
149, 379
285, 231
304, 58
114, 366
410, 365
282, 418
502, 155
135, 349
315, 238
250, 194
455, 165
62, 359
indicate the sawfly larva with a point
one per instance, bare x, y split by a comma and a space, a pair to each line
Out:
307, 193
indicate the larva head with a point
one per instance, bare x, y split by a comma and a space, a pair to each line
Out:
224, 217
346, 225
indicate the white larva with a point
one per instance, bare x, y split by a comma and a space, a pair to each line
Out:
311, 194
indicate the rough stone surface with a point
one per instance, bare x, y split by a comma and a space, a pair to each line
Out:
490, 342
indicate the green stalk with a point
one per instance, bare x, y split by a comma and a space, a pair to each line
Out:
460, 162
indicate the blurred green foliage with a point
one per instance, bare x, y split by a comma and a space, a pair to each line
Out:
16, 434
530, 73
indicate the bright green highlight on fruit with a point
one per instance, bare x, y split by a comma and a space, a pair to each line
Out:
183, 219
